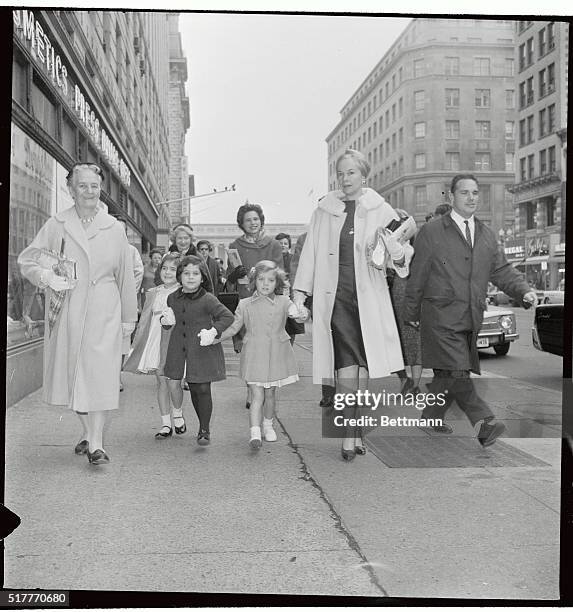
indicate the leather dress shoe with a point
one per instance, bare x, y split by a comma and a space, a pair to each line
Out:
348, 455
489, 433
444, 428
326, 402
82, 447
203, 437
98, 457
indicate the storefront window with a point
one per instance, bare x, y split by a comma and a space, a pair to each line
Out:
37, 191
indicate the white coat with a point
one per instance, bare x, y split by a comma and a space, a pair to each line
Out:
82, 354
317, 275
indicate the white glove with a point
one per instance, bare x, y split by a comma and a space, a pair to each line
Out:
54, 281
167, 317
298, 298
300, 313
127, 328
207, 336
394, 248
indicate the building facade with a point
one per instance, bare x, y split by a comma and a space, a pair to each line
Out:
441, 101
88, 86
537, 231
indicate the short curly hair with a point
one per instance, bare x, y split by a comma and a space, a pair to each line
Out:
245, 208
174, 257
263, 266
196, 261
358, 158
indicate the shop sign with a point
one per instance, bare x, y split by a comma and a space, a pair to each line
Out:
31, 31
536, 247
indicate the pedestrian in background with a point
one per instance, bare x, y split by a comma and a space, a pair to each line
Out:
83, 341
267, 359
204, 249
149, 273
198, 317
292, 327
151, 342
181, 237
342, 265
456, 255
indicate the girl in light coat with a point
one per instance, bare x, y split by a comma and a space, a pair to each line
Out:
342, 265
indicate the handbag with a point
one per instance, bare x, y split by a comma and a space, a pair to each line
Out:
229, 299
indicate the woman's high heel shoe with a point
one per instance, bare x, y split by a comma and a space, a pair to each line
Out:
164, 432
348, 455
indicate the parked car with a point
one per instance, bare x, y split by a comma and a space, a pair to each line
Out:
553, 297
547, 330
498, 330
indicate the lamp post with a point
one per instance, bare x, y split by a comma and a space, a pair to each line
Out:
193, 197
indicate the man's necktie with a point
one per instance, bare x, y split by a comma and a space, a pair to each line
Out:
468, 233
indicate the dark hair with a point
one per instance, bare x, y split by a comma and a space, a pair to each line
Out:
264, 266
196, 261
87, 165
282, 235
442, 209
245, 208
153, 251
167, 257
461, 177
198, 244
429, 217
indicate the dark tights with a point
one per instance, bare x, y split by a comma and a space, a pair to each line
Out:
202, 402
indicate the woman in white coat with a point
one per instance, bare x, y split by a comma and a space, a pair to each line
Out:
342, 265
82, 345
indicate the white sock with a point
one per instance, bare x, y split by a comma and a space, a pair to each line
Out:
255, 433
166, 419
178, 414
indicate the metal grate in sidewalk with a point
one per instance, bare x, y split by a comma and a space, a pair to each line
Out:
442, 452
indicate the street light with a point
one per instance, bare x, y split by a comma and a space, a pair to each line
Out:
192, 197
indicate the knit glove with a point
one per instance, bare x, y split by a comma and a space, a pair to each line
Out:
207, 336
238, 272
298, 297
299, 313
167, 317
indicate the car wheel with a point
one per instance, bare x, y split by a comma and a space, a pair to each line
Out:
546, 301
502, 349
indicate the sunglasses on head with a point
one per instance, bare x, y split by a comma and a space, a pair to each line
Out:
85, 166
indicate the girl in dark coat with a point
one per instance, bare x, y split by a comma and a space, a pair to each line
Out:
197, 315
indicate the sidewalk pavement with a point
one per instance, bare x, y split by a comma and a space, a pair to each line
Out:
292, 518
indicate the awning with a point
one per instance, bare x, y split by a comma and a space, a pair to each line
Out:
537, 259
557, 259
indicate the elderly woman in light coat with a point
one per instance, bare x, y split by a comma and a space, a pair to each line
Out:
82, 350
342, 265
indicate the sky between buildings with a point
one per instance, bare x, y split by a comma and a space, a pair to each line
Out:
264, 92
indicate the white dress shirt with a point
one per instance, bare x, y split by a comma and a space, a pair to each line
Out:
460, 222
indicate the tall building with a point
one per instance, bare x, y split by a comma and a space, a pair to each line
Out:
87, 86
537, 232
439, 102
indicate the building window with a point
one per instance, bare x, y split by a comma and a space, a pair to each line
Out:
19, 79
550, 78
530, 137
510, 98
551, 36
393, 113
419, 97
542, 122
509, 67
530, 166
420, 161
551, 208
529, 51
509, 130
400, 107
394, 142
483, 129
485, 197
482, 161
542, 83
420, 129
551, 118
452, 65
529, 87
482, 98
522, 96
420, 196
522, 57
530, 210
452, 97
522, 169
452, 161
482, 66
509, 157
542, 162
542, 42
387, 115
551, 160
43, 109
401, 136
452, 129
418, 68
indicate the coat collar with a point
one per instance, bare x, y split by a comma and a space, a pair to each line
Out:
73, 226
256, 296
332, 202
447, 221
190, 296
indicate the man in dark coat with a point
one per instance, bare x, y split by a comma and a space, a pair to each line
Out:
455, 257
204, 247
